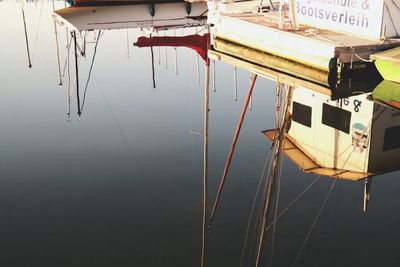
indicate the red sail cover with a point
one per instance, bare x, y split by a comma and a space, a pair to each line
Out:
199, 43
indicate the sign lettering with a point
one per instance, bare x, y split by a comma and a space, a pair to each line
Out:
359, 17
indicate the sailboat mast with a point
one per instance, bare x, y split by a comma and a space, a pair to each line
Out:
26, 37
235, 89
152, 67
232, 149
77, 75
277, 157
57, 51
205, 161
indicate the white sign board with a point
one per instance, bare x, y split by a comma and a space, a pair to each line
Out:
358, 17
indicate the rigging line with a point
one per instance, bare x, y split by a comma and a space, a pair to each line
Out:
263, 196
57, 50
396, 5
165, 53
314, 222
265, 204
131, 151
144, 60
127, 42
278, 148
276, 211
391, 19
363, 59
199, 31
281, 118
273, 7
78, 99
68, 50
26, 37
153, 75
202, 14
90, 70
294, 201
264, 191
159, 51
176, 57
279, 100
124, 138
152, 68
37, 29
214, 71
376, 115
69, 91
253, 207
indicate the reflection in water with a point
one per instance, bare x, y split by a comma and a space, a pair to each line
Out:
325, 124
196, 42
199, 43
26, 37
232, 149
346, 138
205, 161
352, 138
180, 15
328, 128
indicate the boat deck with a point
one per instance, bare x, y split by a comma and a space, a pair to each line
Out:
322, 49
307, 165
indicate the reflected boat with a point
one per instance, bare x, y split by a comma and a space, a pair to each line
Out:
118, 2
158, 16
330, 83
352, 138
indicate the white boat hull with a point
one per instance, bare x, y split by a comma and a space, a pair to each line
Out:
165, 15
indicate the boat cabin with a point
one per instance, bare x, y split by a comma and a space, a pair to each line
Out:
351, 138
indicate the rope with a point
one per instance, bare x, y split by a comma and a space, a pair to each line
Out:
37, 31
130, 150
124, 138
278, 148
396, 5
69, 91
314, 223
90, 70
68, 49
294, 201
315, 32
260, 6
26, 37
253, 206
366, 129
390, 16
362, 59
276, 211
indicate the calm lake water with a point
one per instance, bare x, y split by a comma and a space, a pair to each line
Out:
121, 185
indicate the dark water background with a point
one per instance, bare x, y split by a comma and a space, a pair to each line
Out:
122, 184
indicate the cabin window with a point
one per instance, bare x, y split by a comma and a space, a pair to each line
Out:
336, 118
301, 114
392, 140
